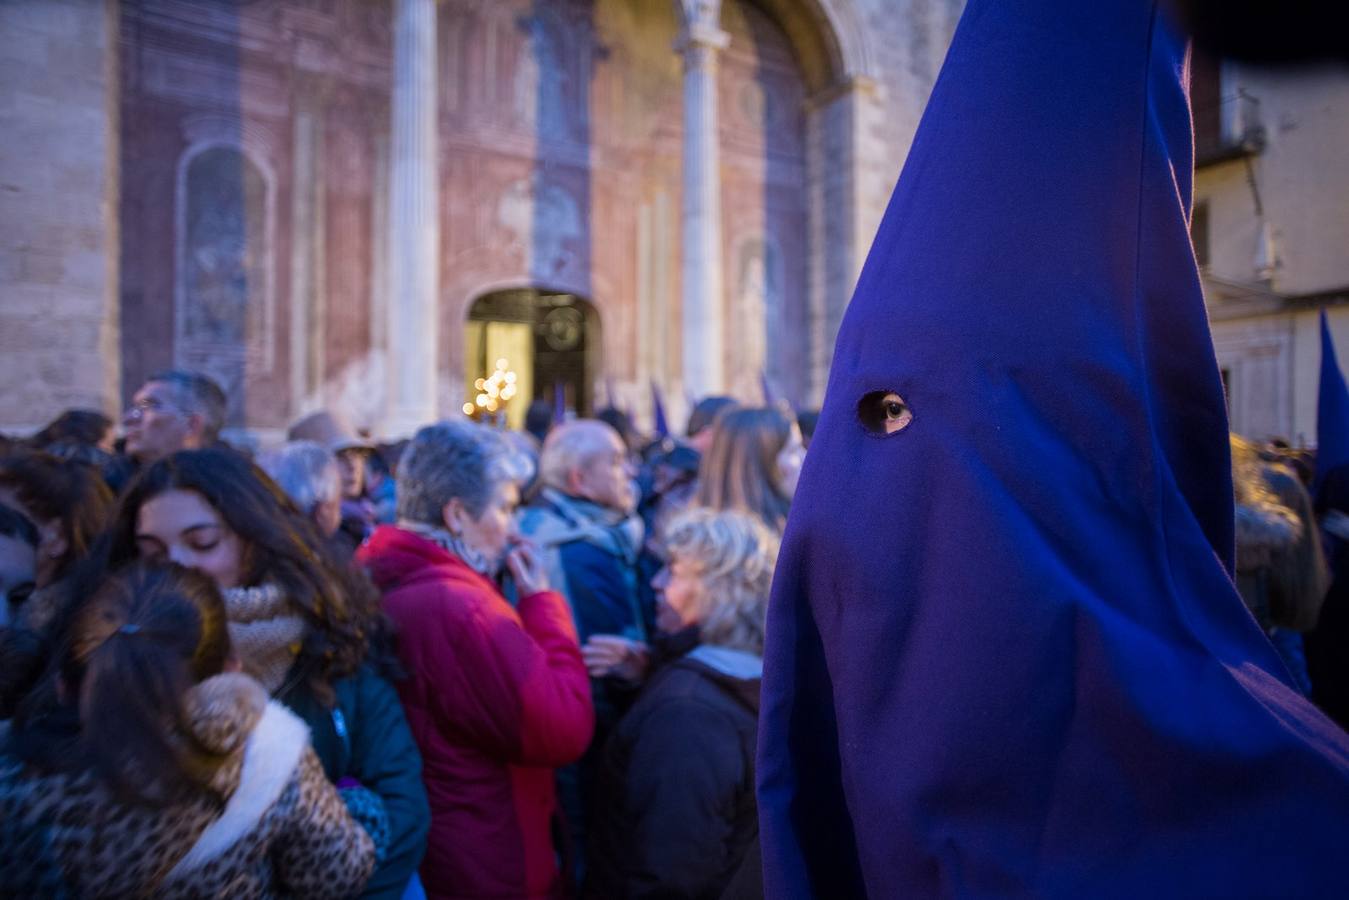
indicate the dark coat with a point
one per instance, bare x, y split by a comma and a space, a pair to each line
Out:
367, 738
676, 795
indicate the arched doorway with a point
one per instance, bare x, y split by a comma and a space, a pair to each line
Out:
550, 339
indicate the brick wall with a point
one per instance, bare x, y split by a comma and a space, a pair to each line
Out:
58, 209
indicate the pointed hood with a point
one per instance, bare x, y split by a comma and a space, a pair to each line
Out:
559, 403
769, 395
1332, 411
660, 426
1005, 655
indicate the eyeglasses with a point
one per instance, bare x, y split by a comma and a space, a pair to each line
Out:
146, 405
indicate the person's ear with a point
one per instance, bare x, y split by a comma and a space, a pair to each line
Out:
454, 515
575, 481
196, 428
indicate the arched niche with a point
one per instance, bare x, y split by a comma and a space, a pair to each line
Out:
224, 315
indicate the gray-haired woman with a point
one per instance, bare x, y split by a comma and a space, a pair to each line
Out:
677, 808
308, 473
498, 697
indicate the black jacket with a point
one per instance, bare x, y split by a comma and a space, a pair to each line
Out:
676, 794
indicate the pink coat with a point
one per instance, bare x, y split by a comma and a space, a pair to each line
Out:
497, 698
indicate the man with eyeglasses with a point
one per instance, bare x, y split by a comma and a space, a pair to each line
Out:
173, 410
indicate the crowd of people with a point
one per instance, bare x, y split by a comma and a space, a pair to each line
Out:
472, 664
1006, 656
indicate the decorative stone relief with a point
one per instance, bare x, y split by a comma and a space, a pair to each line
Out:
515, 211
546, 219
543, 81
557, 224
759, 307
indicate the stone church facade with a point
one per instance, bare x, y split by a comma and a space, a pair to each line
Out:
363, 203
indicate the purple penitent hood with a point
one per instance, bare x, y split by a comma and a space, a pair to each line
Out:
1005, 654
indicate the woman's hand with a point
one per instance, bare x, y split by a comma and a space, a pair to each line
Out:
611, 655
526, 566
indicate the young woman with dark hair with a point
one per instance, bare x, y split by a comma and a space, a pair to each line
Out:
162, 772
69, 504
300, 621
67, 500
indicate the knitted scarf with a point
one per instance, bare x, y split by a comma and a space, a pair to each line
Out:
266, 631
475, 560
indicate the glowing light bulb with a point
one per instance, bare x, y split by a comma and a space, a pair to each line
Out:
482, 399
477, 385
501, 365
468, 409
510, 378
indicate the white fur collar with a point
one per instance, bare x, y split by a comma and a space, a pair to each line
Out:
728, 661
271, 756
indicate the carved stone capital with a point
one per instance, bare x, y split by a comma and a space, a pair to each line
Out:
701, 37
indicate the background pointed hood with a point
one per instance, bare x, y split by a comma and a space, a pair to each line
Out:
660, 426
1005, 654
1332, 411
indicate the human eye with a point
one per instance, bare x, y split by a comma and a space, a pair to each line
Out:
884, 412
204, 541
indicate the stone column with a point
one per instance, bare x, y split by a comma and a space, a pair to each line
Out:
414, 225
844, 211
703, 300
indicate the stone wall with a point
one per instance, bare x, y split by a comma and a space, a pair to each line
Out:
254, 163
58, 209
1296, 188
1277, 224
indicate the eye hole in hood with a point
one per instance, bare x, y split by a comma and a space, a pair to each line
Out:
884, 412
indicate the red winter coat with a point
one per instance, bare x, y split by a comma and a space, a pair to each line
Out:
497, 699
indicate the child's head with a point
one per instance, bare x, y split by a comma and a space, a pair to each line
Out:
146, 637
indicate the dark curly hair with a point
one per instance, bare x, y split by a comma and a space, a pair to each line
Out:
281, 546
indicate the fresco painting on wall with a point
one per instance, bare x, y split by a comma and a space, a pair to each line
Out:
224, 270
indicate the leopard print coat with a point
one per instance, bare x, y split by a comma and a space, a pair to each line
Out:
282, 829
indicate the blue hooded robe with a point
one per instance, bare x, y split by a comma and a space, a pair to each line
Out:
1005, 655
1332, 412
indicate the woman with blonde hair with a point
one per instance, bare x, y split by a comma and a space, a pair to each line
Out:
752, 464
677, 790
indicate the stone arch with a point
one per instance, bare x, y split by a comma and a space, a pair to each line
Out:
834, 54
831, 45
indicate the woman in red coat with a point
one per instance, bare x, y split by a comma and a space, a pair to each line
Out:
497, 697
